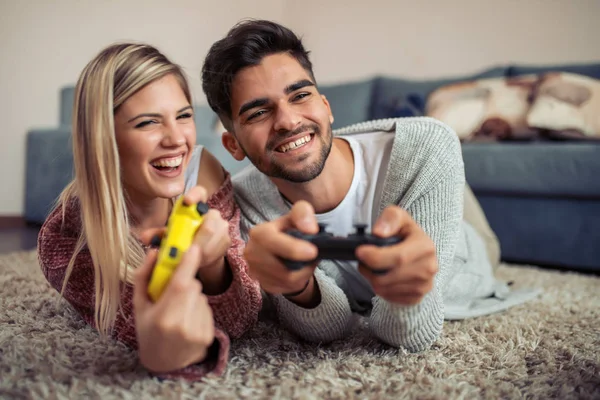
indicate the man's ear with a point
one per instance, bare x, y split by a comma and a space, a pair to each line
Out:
233, 147
331, 119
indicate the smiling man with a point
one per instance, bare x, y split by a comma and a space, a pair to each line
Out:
402, 177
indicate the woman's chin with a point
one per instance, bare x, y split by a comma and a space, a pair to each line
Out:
171, 190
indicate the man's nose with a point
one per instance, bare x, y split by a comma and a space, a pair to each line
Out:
286, 118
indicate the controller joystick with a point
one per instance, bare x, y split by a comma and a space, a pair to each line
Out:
361, 229
337, 247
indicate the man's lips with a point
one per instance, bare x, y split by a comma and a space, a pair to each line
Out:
294, 143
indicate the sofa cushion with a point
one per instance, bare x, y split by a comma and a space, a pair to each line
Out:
540, 169
488, 109
49, 168
392, 96
349, 101
567, 106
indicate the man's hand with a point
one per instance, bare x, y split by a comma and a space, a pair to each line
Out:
268, 245
412, 263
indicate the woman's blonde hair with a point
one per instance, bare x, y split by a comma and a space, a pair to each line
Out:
106, 82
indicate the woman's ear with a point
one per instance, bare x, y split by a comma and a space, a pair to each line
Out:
233, 147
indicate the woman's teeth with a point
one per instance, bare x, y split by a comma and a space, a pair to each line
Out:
292, 145
168, 162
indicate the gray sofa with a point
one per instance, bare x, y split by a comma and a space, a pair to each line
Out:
542, 198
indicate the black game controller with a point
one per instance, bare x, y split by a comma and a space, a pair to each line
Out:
339, 248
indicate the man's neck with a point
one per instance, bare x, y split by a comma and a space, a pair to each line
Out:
327, 190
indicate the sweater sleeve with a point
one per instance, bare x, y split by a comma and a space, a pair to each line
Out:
236, 310
437, 209
328, 321
57, 242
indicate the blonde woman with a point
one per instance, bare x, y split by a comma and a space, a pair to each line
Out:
134, 154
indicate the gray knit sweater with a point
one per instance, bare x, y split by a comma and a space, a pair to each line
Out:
425, 177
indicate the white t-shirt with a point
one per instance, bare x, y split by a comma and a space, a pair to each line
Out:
191, 172
371, 152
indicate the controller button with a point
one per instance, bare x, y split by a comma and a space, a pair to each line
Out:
173, 252
155, 242
202, 208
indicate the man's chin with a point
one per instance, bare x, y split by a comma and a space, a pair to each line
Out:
308, 172
304, 175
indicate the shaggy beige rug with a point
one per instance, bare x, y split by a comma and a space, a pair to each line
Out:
549, 348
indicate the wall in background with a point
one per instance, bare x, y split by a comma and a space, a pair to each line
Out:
45, 46
434, 38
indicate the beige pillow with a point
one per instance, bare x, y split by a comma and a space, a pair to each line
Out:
485, 109
567, 105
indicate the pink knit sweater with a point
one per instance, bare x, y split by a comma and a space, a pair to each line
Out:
235, 311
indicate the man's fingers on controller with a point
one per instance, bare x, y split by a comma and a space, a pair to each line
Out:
375, 258
413, 248
303, 217
408, 250
282, 245
393, 221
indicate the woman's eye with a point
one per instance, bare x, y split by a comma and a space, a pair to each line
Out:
144, 123
186, 115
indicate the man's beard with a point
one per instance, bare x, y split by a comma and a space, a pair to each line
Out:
310, 172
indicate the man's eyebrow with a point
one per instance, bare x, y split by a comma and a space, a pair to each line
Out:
298, 85
252, 104
155, 115
262, 101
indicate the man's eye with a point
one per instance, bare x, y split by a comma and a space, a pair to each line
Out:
256, 114
300, 96
144, 123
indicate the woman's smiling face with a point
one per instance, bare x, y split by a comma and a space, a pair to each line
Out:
155, 134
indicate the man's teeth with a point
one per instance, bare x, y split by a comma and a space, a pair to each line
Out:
168, 162
292, 145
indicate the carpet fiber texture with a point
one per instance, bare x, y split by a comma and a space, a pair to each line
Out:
549, 348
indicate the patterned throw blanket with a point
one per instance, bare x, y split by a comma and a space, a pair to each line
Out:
554, 105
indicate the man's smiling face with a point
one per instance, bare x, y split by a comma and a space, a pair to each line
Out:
279, 120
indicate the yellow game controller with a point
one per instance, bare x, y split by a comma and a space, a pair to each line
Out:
182, 225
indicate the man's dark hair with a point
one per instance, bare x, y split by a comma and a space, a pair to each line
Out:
245, 45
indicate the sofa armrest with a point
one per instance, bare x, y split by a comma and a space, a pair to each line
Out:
49, 168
